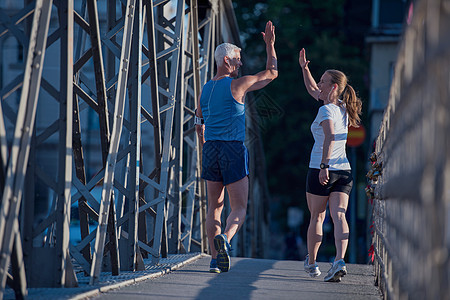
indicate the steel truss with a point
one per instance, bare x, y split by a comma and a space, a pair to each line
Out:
156, 60
116, 125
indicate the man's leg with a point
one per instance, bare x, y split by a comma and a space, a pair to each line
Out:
215, 191
317, 206
338, 206
238, 194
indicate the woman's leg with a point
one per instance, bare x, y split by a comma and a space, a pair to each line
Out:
317, 206
215, 191
338, 203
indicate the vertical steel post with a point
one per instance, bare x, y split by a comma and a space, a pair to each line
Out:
174, 199
134, 91
18, 159
107, 204
18, 269
206, 73
154, 177
78, 155
189, 176
161, 213
65, 276
99, 71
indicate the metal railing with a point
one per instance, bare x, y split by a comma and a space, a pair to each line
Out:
411, 170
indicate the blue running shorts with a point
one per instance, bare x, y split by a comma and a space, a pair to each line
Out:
225, 161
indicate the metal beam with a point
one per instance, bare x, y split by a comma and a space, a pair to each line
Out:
132, 252
64, 270
161, 213
18, 159
107, 192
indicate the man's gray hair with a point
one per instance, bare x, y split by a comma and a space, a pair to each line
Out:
225, 49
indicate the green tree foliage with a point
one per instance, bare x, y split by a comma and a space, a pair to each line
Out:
331, 31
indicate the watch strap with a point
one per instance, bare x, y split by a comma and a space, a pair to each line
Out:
198, 120
324, 166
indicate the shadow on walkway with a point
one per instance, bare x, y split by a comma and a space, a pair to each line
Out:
239, 282
258, 279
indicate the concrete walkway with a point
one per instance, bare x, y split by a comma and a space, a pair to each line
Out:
250, 279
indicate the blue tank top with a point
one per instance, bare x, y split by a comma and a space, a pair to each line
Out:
224, 116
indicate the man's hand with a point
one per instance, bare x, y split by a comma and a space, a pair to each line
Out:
200, 129
269, 34
249, 83
302, 59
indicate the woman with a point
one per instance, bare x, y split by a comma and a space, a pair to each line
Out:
329, 178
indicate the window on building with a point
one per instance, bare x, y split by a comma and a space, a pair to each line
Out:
392, 12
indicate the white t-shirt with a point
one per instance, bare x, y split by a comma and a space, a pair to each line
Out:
338, 115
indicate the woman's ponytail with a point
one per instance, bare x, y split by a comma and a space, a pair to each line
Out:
353, 105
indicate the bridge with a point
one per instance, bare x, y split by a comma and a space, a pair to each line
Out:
96, 125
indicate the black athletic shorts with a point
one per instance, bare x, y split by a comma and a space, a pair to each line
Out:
340, 181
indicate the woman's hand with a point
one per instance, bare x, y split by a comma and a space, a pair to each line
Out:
302, 59
324, 176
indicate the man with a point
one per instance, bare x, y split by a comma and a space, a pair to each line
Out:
225, 158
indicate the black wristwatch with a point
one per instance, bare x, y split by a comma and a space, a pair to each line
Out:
324, 166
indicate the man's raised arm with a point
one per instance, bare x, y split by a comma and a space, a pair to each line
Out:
255, 82
269, 39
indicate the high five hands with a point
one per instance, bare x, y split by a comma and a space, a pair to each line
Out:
269, 34
302, 59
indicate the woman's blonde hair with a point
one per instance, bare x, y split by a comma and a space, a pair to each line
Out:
345, 91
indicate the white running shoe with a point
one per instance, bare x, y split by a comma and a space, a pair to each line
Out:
336, 272
313, 269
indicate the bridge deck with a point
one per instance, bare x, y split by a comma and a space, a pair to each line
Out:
247, 279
